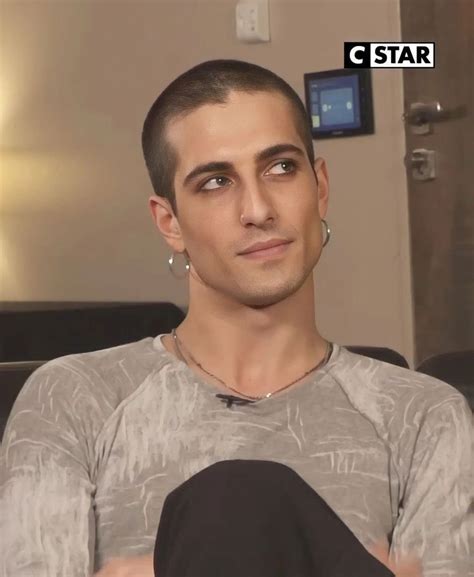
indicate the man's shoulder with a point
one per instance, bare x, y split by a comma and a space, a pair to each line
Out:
101, 359
385, 391
88, 385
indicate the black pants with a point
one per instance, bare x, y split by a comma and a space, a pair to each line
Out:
255, 519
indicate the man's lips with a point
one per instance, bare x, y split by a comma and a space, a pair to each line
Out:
260, 246
274, 250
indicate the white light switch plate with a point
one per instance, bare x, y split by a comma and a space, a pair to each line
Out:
252, 21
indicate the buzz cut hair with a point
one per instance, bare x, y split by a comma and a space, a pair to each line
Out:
208, 83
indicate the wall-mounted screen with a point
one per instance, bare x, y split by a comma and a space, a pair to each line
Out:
339, 102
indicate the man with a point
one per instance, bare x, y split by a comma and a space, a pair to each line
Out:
96, 441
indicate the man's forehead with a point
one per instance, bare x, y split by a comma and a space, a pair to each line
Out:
244, 125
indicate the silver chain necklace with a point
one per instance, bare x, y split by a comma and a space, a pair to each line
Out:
320, 364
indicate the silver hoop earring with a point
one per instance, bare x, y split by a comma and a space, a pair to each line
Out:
328, 232
171, 262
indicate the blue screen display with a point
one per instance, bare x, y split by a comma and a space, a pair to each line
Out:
335, 103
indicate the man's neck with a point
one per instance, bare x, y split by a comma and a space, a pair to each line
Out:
254, 362
253, 349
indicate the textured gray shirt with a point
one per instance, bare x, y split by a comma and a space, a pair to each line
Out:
97, 440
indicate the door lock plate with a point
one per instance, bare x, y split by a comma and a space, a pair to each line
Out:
422, 164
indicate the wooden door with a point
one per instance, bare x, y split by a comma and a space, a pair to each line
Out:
442, 210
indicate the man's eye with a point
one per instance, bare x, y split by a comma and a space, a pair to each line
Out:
283, 167
214, 183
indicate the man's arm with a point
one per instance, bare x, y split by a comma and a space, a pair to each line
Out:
141, 566
435, 521
46, 517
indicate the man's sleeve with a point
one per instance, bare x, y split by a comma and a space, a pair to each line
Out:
47, 524
436, 517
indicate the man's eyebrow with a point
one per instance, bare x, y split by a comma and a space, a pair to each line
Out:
205, 168
278, 149
226, 166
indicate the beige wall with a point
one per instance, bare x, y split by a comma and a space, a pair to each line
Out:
76, 80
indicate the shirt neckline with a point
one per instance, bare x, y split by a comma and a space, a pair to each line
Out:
214, 389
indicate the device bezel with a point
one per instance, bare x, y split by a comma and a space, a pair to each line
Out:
365, 99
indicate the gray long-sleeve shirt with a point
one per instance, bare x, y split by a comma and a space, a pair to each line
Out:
97, 440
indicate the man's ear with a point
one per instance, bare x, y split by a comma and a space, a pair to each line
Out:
321, 172
166, 221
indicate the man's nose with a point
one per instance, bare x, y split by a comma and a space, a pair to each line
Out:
257, 204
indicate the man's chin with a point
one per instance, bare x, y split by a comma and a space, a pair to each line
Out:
269, 298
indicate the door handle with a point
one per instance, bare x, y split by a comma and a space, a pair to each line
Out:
421, 115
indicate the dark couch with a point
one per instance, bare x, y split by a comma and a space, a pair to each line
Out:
44, 331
